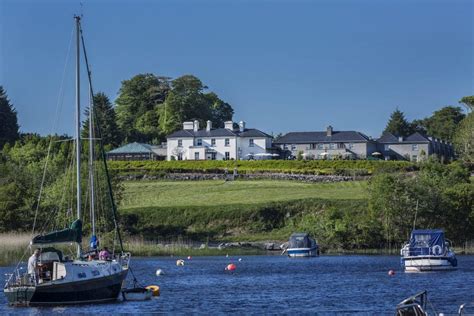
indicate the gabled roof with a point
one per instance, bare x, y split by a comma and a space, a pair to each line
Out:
321, 137
218, 132
132, 148
389, 138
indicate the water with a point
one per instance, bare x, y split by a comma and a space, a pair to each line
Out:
342, 285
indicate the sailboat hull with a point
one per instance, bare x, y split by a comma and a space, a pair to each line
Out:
97, 290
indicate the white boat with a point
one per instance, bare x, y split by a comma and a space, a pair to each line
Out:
427, 250
302, 245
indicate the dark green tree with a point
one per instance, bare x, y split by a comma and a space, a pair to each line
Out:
220, 111
464, 139
397, 124
443, 123
137, 105
105, 118
8, 120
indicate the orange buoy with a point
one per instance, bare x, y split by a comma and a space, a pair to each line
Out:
231, 267
391, 272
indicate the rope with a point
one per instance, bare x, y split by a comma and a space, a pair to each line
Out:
57, 114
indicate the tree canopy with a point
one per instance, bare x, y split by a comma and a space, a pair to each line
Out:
397, 124
443, 123
8, 120
105, 118
468, 101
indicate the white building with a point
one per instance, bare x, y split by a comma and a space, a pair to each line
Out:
192, 143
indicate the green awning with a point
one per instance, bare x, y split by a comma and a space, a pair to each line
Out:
71, 234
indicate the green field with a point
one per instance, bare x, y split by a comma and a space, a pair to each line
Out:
138, 194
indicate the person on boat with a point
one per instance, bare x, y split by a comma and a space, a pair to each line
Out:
33, 264
105, 254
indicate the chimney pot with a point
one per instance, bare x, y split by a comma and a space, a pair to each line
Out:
196, 125
229, 125
209, 126
241, 126
188, 125
329, 131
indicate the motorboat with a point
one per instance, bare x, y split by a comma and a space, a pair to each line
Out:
427, 250
302, 245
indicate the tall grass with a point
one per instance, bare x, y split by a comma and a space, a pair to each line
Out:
13, 246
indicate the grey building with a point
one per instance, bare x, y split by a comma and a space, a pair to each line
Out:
138, 151
415, 147
327, 144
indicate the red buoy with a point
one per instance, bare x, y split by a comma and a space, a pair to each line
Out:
391, 272
231, 267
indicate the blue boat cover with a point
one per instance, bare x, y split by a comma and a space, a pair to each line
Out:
422, 240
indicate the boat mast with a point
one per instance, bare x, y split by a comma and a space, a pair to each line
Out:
78, 129
91, 160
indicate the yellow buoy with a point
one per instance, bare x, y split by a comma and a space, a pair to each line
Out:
155, 289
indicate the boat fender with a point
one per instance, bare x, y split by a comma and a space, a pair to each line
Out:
437, 250
180, 262
155, 289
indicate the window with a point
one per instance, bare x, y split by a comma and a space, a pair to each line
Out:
180, 156
251, 143
414, 158
332, 146
180, 143
320, 146
312, 146
213, 156
285, 146
213, 142
199, 142
350, 145
293, 147
227, 142
414, 147
196, 156
227, 155
386, 147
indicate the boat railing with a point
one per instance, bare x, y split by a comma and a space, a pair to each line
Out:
424, 251
20, 278
124, 259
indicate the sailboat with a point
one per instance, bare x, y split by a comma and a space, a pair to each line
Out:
58, 280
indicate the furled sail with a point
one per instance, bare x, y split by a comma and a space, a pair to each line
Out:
71, 234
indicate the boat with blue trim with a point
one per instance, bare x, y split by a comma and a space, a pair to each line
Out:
427, 250
302, 245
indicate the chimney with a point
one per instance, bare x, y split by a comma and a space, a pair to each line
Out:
329, 131
188, 125
209, 126
196, 125
229, 125
241, 126
400, 139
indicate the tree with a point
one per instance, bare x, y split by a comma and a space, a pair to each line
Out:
397, 124
464, 138
468, 102
443, 123
137, 104
105, 118
220, 111
8, 120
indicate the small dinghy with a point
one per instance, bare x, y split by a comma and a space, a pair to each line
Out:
137, 294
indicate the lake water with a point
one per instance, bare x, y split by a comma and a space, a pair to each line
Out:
332, 285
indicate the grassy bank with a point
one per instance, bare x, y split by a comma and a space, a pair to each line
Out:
322, 167
144, 194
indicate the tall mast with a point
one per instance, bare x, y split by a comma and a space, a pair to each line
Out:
78, 128
91, 159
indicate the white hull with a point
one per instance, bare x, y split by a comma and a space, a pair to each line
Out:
427, 264
137, 296
302, 252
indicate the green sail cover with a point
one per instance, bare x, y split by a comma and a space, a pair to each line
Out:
71, 234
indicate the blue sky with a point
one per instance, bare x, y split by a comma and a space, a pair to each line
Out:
283, 65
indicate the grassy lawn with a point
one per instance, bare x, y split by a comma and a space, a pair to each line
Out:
217, 192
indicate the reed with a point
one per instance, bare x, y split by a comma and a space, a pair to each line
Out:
13, 246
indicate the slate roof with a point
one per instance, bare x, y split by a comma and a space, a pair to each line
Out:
132, 148
321, 137
389, 138
218, 132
